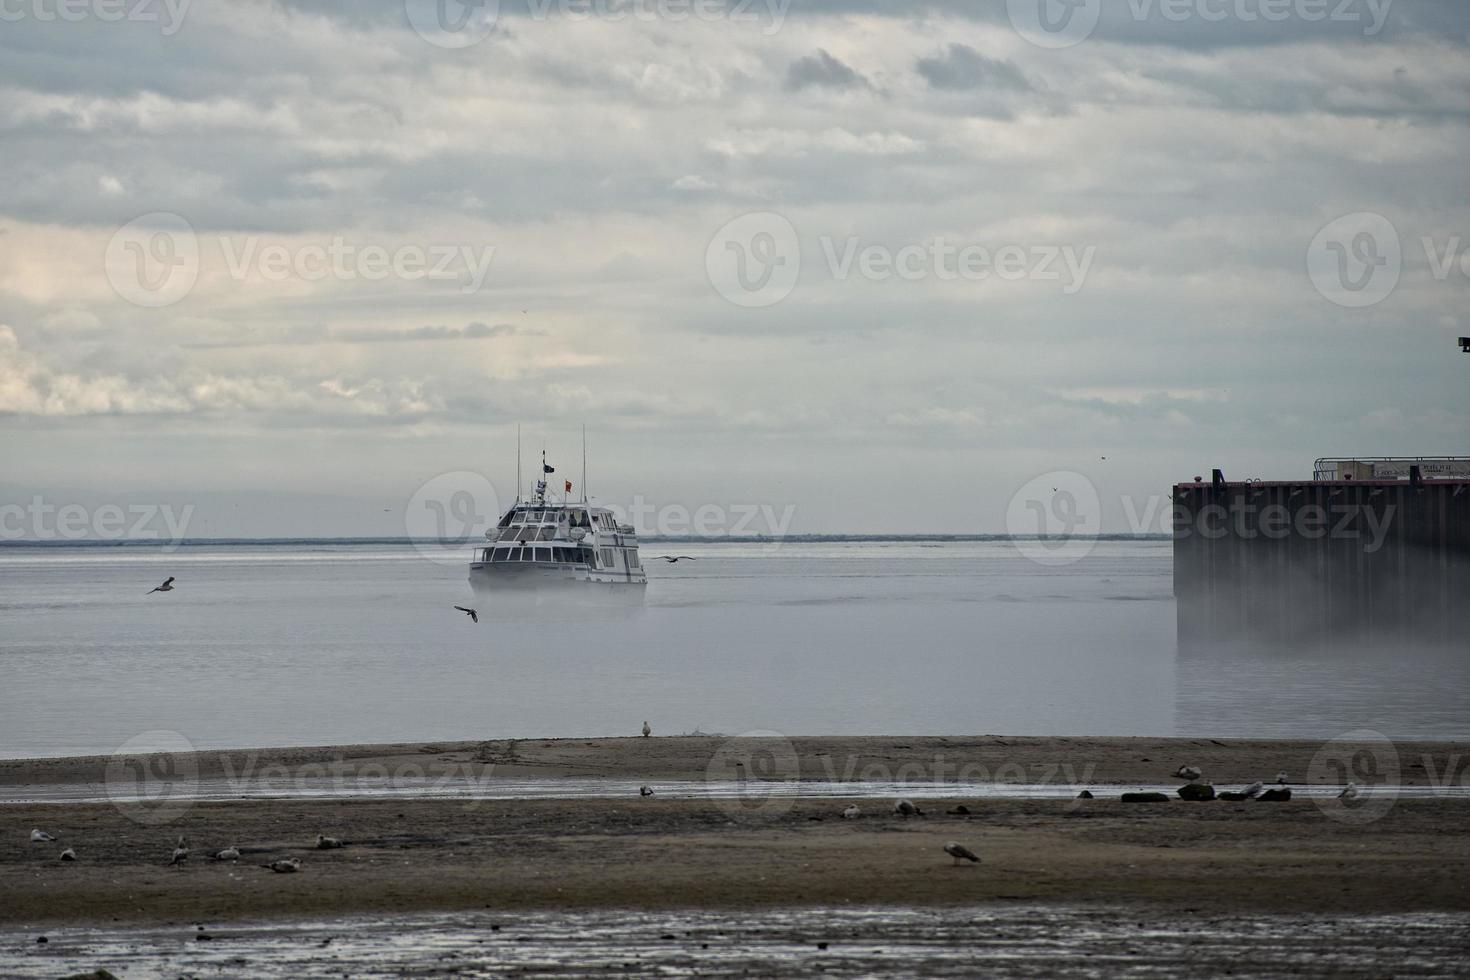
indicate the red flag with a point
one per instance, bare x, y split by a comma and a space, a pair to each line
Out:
569, 486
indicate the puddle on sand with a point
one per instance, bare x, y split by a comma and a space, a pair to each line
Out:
995, 941
517, 788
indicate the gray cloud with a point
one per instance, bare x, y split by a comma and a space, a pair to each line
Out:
962, 67
822, 70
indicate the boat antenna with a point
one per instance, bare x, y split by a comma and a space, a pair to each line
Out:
518, 462
584, 462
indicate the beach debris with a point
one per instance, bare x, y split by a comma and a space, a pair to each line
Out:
1197, 792
960, 853
1190, 773
474, 616
646, 730
42, 939
326, 843
1086, 794
1349, 792
851, 812
1144, 798
906, 809
231, 853
284, 866
40, 837
167, 586
1280, 795
68, 855
959, 811
645, 790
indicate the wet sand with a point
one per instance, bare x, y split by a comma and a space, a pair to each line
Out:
412, 855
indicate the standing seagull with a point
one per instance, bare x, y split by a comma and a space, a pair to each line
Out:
181, 853
960, 852
167, 586
474, 616
673, 558
646, 730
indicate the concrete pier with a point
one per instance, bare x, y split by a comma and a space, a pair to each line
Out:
1323, 563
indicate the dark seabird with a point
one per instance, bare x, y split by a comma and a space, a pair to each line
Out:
474, 616
645, 790
167, 586
673, 558
960, 853
905, 808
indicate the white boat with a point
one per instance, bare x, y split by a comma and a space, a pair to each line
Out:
550, 541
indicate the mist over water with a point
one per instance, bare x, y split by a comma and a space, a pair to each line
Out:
319, 643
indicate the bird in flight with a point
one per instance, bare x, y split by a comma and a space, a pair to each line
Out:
673, 558
474, 616
960, 852
167, 586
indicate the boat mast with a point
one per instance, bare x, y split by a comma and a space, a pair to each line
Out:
584, 462
518, 462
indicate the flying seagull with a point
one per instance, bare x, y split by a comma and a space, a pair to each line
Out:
960, 852
905, 808
167, 586
284, 866
474, 616
1190, 773
646, 730
68, 855
40, 836
326, 843
673, 558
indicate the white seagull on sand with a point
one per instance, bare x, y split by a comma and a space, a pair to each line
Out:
1281, 778
960, 852
1253, 790
284, 866
40, 836
228, 854
167, 586
326, 843
852, 812
1190, 773
68, 855
1349, 792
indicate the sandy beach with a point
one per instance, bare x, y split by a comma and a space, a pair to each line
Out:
422, 854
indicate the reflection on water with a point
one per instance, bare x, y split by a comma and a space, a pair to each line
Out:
311, 643
1015, 941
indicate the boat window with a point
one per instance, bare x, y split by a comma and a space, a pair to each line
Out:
523, 554
633, 560
505, 521
502, 554
526, 534
546, 534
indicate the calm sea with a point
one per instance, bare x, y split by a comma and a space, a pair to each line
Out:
318, 643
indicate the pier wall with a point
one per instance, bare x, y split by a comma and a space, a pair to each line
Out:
1323, 563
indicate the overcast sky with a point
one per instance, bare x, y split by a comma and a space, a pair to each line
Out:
885, 269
